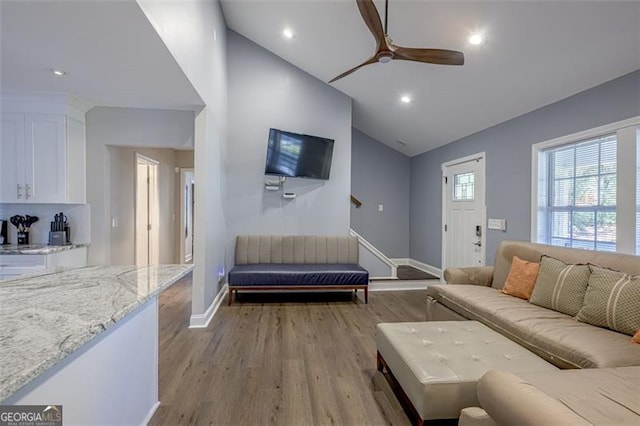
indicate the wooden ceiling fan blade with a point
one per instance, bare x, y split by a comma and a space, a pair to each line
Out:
372, 60
431, 56
372, 19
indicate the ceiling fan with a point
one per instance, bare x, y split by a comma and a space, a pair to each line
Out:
387, 51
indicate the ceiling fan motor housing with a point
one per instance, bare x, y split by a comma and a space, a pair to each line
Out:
384, 57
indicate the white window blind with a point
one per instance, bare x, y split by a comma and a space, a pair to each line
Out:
577, 194
638, 191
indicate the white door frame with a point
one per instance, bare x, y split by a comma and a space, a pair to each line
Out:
156, 163
483, 238
183, 218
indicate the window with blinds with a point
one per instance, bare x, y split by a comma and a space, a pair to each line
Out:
577, 194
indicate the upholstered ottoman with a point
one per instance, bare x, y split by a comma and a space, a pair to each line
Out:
435, 365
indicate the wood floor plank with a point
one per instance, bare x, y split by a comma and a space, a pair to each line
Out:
324, 405
297, 401
278, 360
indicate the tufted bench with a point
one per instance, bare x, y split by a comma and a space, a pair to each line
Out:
297, 262
434, 366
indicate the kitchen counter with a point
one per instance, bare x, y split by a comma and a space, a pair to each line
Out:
48, 316
38, 248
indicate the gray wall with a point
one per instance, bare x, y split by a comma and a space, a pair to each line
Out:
123, 190
265, 91
380, 175
195, 34
123, 127
508, 149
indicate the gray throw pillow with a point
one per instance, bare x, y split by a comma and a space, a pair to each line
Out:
559, 286
612, 301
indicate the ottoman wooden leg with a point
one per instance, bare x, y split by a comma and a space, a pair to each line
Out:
230, 296
380, 362
366, 295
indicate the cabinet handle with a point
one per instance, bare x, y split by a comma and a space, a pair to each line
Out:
27, 188
19, 189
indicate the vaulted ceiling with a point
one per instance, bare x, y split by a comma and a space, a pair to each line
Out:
535, 53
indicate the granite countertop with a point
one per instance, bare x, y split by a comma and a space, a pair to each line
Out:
38, 248
47, 316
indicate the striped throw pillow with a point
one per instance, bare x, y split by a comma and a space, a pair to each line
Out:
560, 286
612, 301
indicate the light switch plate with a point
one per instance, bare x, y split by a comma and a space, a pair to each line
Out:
380, 207
498, 224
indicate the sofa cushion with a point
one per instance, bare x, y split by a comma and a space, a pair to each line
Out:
612, 301
559, 286
274, 274
554, 336
603, 396
521, 279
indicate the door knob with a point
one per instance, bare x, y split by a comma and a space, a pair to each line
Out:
477, 243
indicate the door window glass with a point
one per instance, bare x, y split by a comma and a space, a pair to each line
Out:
464, 186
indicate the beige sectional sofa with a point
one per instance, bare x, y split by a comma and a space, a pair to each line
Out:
554, 336
606, 393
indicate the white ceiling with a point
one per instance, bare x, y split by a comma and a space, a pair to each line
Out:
536, 53
111, 53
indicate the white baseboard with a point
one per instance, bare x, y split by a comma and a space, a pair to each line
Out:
418, 265
395, 285
203, 320
148, 417
426, 268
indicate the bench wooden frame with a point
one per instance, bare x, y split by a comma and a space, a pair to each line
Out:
355, 287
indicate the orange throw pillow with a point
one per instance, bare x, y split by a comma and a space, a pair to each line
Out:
521, 279
636, 337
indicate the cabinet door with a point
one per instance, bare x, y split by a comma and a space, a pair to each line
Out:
76, 160
45, 149
12, 158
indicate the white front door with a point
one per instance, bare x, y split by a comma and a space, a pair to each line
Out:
464, 212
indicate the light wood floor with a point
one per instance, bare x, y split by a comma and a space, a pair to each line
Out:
310, 360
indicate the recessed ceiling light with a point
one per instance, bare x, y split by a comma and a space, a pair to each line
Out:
405, 99
288, 33
476, 39
58, 72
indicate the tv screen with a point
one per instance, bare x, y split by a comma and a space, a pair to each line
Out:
294, 155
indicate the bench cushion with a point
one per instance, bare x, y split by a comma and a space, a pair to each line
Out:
297, 274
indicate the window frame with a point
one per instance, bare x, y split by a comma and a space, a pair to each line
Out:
625, 131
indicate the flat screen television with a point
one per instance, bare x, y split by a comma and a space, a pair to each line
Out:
294, 155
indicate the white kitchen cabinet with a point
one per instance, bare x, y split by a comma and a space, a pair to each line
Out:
14, 265
43, 155
12, 157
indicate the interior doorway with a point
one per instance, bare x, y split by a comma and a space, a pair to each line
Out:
147, 212
464, 212
187, 191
